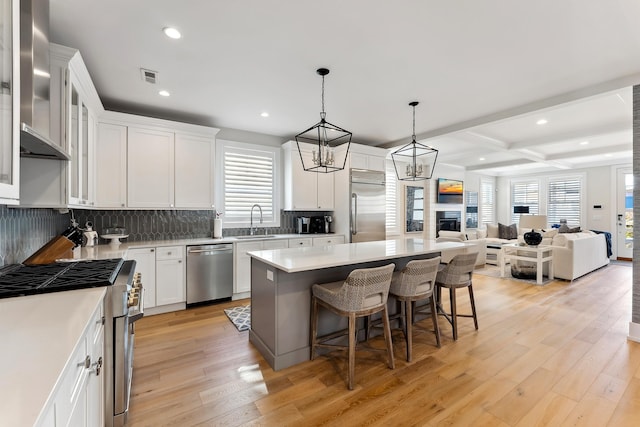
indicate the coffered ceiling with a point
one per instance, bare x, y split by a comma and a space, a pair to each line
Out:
484, 71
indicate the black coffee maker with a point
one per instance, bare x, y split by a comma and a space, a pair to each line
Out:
321, 224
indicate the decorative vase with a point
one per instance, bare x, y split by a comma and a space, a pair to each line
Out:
532, 238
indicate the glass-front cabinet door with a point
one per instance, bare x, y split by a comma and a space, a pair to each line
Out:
79, 135
9, 103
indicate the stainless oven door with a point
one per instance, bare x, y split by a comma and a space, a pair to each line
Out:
124, 337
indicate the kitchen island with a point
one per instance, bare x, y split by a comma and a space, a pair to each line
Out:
281, 283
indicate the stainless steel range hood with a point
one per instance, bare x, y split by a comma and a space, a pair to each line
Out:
35, 82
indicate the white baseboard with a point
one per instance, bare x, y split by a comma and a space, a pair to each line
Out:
634, 332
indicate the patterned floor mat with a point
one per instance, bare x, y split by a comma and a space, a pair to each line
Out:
240, 316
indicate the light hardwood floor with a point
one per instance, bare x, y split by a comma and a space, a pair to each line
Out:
554, 355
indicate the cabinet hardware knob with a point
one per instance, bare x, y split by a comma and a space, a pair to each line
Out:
122, 205
100, 321
153, 250
98, 366
86, 363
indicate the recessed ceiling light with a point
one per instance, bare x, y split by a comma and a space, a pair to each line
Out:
264, 114
164, 93
584, 143
481, 158
541, 122
172, 32
608, 155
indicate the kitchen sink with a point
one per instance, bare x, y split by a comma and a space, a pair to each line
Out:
260, 236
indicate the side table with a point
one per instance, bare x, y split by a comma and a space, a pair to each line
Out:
538, 254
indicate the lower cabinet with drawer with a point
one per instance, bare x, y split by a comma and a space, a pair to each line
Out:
79, 398
328, 240
163, 277
242, 263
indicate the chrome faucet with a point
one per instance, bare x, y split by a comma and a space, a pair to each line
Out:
251, 230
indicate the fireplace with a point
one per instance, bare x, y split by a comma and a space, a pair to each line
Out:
448, 220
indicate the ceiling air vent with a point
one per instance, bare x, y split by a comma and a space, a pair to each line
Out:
149, 76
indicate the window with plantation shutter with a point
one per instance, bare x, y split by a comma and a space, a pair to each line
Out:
249, 176
564, 201
524, 193
391, 199
487, 202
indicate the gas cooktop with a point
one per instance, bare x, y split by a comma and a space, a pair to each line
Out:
20, 280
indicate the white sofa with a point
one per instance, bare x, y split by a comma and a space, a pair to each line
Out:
475, 244
576, 254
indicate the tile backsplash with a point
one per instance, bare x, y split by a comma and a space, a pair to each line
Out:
23, 231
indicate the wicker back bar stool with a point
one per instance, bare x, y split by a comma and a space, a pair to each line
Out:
364, 292
454, 275
413, 283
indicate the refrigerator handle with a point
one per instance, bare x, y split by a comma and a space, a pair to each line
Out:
354, 213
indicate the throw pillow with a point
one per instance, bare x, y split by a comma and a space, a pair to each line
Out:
574, 230
482, 233
507, 231
492, 230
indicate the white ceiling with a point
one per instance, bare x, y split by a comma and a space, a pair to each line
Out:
483, 71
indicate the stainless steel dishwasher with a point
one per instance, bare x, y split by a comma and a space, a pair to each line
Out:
209, 272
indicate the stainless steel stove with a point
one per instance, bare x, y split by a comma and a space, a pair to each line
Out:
122, 307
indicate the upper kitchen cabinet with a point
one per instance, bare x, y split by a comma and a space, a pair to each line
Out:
147, 163
111, 167
366, 157
305, 190
9, 102
194, 160
150, 168
75, 106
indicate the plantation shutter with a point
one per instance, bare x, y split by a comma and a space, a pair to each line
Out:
487, 203
564, 201
391, 187
524, 193
248, 179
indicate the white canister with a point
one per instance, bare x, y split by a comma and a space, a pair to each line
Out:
217, 228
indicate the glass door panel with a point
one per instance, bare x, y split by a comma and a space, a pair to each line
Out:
74, 144
624, 219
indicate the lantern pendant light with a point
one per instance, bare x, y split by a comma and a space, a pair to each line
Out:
414, 161
317, 144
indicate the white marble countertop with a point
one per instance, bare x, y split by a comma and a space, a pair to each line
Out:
39, 334
107, 251
293, 260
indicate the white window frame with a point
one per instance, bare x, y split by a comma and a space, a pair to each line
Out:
223, 147
535, 208
487, 209
581, 202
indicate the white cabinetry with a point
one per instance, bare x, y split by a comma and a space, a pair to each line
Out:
305, 190
366, 161
300, 242
79, 398
165, 165
242, 263
111, 170
75, 106
9, 104
145, 259
328, 240
150, 168
194, 171
163, 277
170, 275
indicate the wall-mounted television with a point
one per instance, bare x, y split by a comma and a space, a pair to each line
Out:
449, 191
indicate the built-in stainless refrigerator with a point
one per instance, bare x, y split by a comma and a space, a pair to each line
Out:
368, 201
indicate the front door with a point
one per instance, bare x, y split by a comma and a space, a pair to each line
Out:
624, 214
